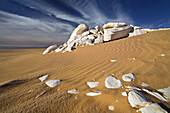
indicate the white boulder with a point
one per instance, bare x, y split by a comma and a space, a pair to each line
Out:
113, 60
128, 77
49, 49
137, 32
166, 91
137, 99
95, 93
152, 108
112, 82
74, 91
43, 78
78, 31
53, 83
92, 84
85, 33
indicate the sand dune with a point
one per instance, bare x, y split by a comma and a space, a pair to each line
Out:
20, 70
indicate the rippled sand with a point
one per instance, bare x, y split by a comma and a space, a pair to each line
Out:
20, 70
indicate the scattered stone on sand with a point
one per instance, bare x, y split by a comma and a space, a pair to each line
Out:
128, 77
30, 91
43, 78
58, 89
49, 49
165, 91
53, 83
116, 100
152, 108
94, 93
40, 94
137, 99
113, 60
137, 110
162, 54
74, 91
76, 97
145, 84
157, 95
134, 58
124, 93
92, 84
111, 108
133, 88
112, 82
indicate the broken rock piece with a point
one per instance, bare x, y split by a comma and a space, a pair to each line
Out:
145, 84
166, 91
53, 83
112, 82
92, 84
152, 108
111, 108
124, 93
128, 77
137, 99
95, 93
74, 91
49, 49
43, 78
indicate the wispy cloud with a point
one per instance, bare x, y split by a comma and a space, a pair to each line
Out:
58, 19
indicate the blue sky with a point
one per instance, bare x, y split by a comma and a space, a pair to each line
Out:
46, 22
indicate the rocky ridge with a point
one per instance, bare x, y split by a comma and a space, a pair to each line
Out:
84, 35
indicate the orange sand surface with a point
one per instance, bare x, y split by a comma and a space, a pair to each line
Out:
20, 69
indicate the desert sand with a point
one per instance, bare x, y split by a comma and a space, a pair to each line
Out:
140, 55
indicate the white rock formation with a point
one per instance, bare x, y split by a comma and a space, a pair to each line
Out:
78, 32
112, 82
124, 94
74, 91
43, 78
137, 99
82, 35
137, 31
92, 84
49, 49
116, 30
145, 84
157, 95
166, 91
128, 77
152, 108
53, 83
111, 108
95, 93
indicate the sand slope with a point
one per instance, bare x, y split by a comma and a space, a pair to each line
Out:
20, 70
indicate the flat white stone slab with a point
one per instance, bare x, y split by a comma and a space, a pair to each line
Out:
145, 84
137, 99
128, 77
53, 83
124, 94
166, 91
113, 60
112, 82
95, 93
74, 91
43, 78
157, 95
111, 108
92, 84
152, 108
